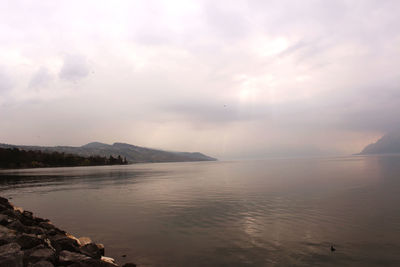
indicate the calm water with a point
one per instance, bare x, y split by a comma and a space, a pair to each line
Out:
276, 212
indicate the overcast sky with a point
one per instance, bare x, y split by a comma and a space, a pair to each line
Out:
233, 79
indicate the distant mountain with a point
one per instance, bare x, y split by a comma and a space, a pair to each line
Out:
134, 154
387, 144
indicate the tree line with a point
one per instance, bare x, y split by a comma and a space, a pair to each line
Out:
17, 158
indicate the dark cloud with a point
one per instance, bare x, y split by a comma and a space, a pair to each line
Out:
75, 67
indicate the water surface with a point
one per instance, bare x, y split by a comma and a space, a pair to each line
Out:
276, 212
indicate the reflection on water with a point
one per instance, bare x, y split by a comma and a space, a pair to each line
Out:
275, 212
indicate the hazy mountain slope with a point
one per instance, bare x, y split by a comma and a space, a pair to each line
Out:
134, 154
389, 143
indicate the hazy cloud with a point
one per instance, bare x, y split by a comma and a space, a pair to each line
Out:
75, 67
41, 78
6, 82
232, 79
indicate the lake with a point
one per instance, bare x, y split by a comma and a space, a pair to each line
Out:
275, 212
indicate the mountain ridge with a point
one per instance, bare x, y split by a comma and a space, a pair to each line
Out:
387, 144
134, 154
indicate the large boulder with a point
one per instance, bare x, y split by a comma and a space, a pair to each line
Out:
91, 250
18, 226
27, 241
11, 255
101, 248
67, 257
4, 219
62, 242
27, 218
4, 202
42, 254
35, 230
6, 235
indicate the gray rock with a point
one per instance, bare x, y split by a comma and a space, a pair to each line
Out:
11, 255
68, 257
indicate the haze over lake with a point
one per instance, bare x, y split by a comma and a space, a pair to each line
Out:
275, 212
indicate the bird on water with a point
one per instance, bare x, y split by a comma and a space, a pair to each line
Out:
333, 248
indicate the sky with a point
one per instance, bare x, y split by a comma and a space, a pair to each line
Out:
232, 79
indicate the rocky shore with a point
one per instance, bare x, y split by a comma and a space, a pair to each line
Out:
26, 240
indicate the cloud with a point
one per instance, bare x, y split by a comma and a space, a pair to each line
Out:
41, 78
75, 67
6, 83
225, 78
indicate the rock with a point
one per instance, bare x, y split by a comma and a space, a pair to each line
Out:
84, 240
27, 241
129, 265
92, 263
18, 226
62, 242
27, 218
108, 259
4, 219
11, 213
35, 230
21, 210
28, 252
91, 250
11, 255
6, 235
72, 237
3, 200
43, 254
41, 264
5, 203
68, 257
28, 214
101, 248
48, 243
39, 220
47, 225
